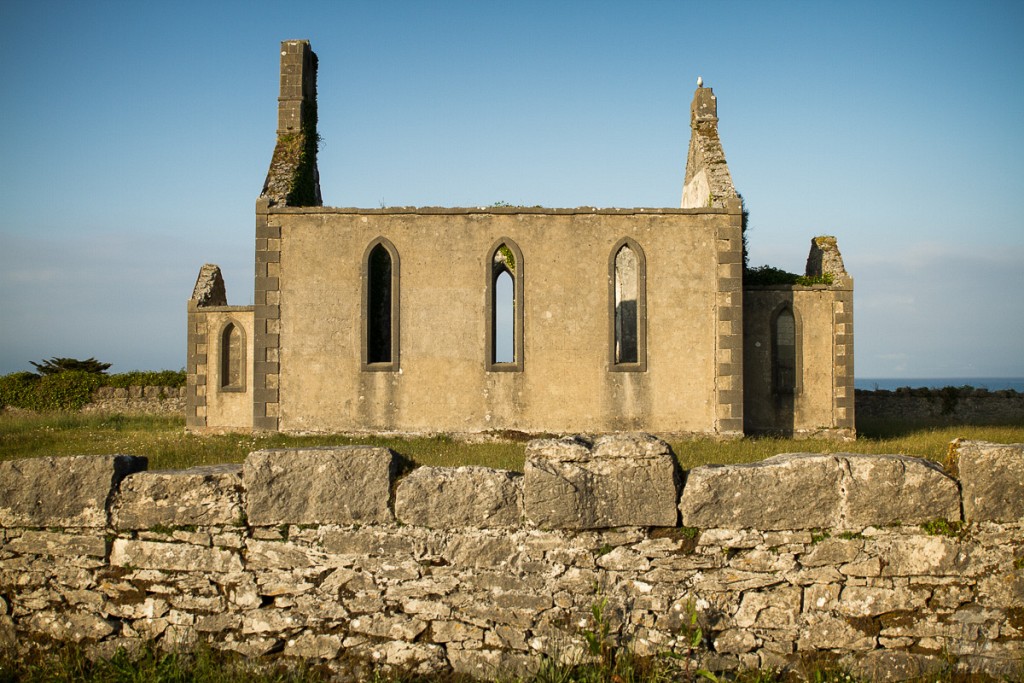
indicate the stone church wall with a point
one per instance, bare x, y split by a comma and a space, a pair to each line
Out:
885, 563
822, 401
688, 379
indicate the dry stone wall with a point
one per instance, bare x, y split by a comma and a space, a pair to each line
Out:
330, 555
137, 401
952, 406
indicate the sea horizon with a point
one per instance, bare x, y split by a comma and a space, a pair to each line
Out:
893, 383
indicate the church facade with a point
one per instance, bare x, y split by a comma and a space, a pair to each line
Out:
535, 320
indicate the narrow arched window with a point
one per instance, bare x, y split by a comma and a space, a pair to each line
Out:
232, 357
627, 280
504, 318
380, 306
505, 304
785, 364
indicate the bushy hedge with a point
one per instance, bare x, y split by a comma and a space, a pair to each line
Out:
61, 391
70, 390
137, 378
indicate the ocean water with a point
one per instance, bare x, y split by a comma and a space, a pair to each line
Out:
990, 383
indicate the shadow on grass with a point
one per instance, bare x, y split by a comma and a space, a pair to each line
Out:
889, 428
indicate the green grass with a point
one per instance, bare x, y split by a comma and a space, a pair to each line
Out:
168, 446
148, 664
925, 441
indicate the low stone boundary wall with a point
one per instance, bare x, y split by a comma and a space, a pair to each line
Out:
137, 401
885, 563
952, 405
977, 406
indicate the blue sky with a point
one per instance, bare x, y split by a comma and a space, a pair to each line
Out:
136, 137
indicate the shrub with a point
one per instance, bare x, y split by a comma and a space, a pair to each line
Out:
138, 378
770, 275
17, 388
66, 390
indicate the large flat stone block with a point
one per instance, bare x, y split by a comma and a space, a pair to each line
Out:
56, 544
62, 492
456, 497
181, 557
342, 485
992, 476
201, 496
808, 491
619, 480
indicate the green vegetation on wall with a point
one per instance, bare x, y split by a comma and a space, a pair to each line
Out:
767, 276
770, 275
68, 390
302, 187
72, 389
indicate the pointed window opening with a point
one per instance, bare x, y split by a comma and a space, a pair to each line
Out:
505, 304
628, 303
380, 307
785, 365
232, 358
504, 318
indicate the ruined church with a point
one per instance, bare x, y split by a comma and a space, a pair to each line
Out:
390, 319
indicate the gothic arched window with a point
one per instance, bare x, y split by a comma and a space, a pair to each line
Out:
232, 357
380, 306
505, 307
785, 352
627, 280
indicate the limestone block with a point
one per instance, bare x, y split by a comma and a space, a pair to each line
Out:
70, 626
173, 557
395, 627
784, 492
622, 480
201, 496
262, 555
886, 489
273, 621
61, 492
869, 601
735, 641
832, 551
480, 551
58, 544
454, 632
827, 632
925, 555
807, 491
992, 476
883, 666
341, 485
451, 498
775, 608
491, 664
372, 542
1003, 589
313, 646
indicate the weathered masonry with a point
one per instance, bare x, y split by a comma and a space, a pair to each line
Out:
531, 319
886, 564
